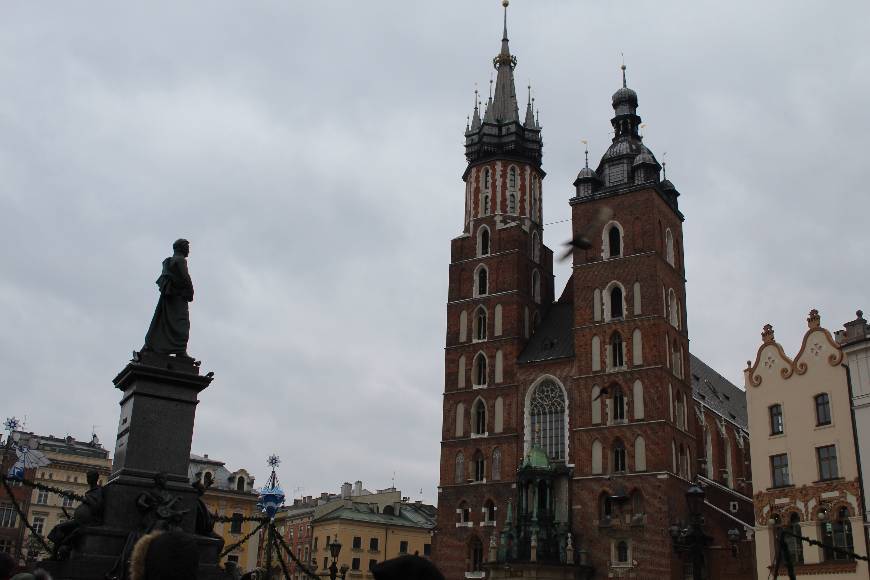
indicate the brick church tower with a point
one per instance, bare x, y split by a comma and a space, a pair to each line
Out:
571, 426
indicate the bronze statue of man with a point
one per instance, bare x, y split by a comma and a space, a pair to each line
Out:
170, 327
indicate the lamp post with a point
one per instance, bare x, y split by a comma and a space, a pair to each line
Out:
692, 539
334, 551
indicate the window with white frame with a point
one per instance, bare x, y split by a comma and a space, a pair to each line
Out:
479, 417
480, 324
479, 466
483, 241
480, 374
481, 287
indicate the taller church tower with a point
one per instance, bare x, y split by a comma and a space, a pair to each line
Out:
501, 283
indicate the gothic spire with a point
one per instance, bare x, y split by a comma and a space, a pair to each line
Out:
475, 119
530, 116
505, 107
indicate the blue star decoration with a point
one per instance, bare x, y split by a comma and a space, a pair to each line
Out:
12, 424
274, 461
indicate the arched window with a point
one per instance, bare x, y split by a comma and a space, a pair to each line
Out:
240, 483
460, 373
475, 556
617, 356
823, 409
618, 456
838, 534
479, 466
482, 287
669, 246
480, 324
459, 471
496, 464
480, 370
512, 203
795, 546
618, 403
486, 204
512, 178
622, 552
487, 179
499, 366
479, 417
483, 241
616, 310
497, 326
547, 417
460, 419
489, 511
536, 286
463, 326
614, 241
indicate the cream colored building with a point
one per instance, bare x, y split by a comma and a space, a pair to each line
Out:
804, 463
371, 529
231, 494
71, 460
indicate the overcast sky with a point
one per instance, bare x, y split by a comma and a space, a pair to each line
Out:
312, 153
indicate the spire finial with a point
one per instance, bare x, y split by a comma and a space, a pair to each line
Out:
586, 151
664, 166
505, 3
624, 82
490, 87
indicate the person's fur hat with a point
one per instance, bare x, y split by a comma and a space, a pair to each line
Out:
407, 568
165, 556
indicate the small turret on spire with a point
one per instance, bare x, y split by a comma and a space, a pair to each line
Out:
530, 116
475, 119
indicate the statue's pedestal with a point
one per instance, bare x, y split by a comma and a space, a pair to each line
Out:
154, 436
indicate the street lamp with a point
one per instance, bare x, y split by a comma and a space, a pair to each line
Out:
692, 539
334, 551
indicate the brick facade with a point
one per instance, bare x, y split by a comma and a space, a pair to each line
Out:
657, 420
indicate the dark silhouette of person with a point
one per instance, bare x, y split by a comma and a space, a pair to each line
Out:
407, 568
170, 327
165, 556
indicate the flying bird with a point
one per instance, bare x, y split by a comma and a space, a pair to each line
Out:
583, 238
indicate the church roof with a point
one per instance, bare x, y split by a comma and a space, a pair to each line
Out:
718, 393
554, 337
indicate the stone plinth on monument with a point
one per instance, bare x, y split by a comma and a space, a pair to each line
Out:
158, 405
